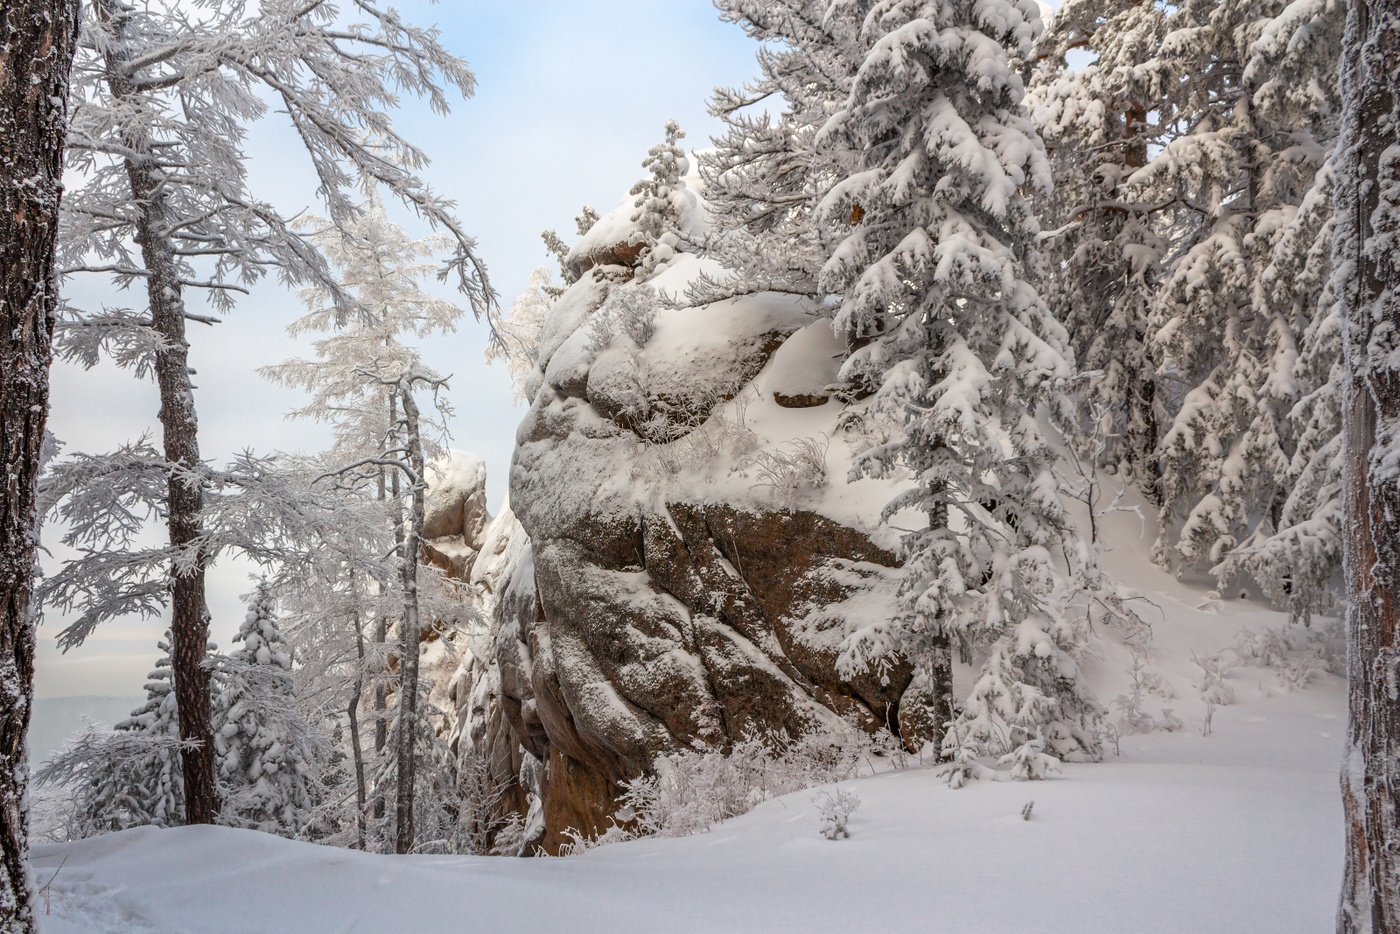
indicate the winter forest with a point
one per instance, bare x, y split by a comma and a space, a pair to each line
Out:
937, 468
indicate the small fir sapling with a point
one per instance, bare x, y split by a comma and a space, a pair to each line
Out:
963, 767
1211, 683
560, 251
660, 201
129, 776
1134, 717
1029, 762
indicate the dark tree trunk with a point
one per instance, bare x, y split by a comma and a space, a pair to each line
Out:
353, 711
938, 664
1367, 261
381, 632
36, 54
189, 615
409, 631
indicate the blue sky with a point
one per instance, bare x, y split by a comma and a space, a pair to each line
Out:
570, 97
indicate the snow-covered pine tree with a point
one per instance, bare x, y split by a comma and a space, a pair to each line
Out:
163, 96
660, 201
1367, 265
129, 776
268, 754
37, 40
1101, 252
930, 243
765, 174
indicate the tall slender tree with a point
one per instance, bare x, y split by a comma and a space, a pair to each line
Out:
164, 96
365, 382
1366, 258
37, 39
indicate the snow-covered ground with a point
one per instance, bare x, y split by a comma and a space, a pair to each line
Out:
1236, 832
1239, 831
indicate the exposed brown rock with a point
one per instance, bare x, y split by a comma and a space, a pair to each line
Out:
800, 400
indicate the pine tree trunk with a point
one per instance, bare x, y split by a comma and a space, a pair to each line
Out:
1368, 272
36, 55
938, 663
409, 634
189, 620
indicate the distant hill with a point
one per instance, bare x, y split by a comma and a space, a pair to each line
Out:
57, 718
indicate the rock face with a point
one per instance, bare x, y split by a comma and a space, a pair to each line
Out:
695, 561
454, 514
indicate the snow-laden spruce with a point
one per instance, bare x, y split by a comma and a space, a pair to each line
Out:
929, 249
269, 756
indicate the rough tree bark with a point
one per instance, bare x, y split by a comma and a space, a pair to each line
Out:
409, 632
36, 55
1366, 257
189, 615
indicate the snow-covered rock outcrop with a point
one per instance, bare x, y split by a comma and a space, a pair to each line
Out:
695, 556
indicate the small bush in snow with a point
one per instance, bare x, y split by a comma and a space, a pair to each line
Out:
836, 810
796, 466
1211, 682
964, 768
1133, 716
1029, 761
692, 790
629, 311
